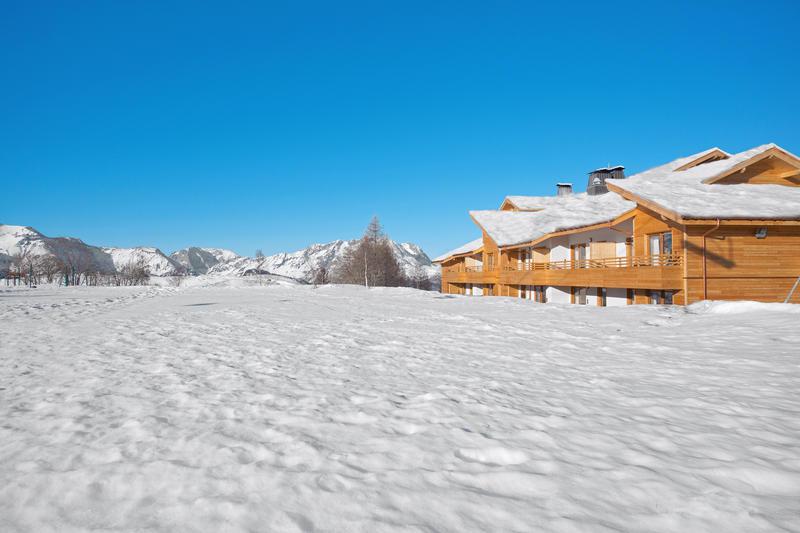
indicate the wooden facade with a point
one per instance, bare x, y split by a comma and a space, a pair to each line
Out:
653, 256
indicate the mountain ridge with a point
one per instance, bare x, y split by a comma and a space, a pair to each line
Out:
301, 264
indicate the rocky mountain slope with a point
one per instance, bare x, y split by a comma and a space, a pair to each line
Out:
23, 240
200, 260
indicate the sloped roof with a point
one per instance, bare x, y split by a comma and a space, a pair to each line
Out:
530, 203
688, 194
560, 213
471, 246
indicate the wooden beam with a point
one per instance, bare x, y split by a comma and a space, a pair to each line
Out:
711, 156
652, 206
787, 174
772, 152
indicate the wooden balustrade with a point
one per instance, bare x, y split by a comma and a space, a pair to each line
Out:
656, 260
469, 269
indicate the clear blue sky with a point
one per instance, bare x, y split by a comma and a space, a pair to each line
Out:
278, 125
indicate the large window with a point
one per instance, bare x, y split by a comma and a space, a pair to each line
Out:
659, 245
580, 255
489, 261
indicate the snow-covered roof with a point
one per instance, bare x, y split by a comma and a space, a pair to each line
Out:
471, 246
687, 192
532, 203
558, 213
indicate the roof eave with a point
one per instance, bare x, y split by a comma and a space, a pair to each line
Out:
774, 151
639, 200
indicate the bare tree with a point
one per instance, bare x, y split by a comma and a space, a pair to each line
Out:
320, 275
50, 267
371, 261
419, 279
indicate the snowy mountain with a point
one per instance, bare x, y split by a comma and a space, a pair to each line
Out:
24, 240
200, 260
303, 263
154, 259
299, 265
16, 240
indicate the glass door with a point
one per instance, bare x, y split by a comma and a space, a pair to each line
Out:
654, 245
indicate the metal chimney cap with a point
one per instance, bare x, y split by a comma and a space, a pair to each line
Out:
607, 169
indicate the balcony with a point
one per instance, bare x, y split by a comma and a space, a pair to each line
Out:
462, 268
470, 274
661, 271
657, 260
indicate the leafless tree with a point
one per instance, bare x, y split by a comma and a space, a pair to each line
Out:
320, 275
419, 279
134, 273
50, 267
371, 261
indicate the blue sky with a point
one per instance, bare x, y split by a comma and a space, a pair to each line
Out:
276, 125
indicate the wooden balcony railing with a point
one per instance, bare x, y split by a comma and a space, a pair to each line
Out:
657, 260
462, 268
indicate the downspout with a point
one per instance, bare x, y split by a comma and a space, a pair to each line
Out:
705, 277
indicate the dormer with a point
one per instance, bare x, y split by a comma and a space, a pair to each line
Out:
523, 203
773, 166
508, 205
715, 154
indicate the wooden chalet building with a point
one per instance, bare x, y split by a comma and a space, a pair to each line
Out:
712, 225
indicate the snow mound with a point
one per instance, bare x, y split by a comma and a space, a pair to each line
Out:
715, 307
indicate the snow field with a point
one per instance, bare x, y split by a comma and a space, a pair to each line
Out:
289, 408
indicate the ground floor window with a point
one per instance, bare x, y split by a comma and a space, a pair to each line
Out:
661, 297
579, 295
602, 296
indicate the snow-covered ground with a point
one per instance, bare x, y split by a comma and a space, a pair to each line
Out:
242, 407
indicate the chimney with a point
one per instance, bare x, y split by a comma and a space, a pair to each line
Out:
598, 177
564, 189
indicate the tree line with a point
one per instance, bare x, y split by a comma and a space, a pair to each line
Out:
71, 267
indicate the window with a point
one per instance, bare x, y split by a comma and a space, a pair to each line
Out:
668, 297
601, 296
655, 297
659, 244
579, 255
490, 261
654, 244
666, 242
579, 295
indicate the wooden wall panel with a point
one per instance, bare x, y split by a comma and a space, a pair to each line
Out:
741, 266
